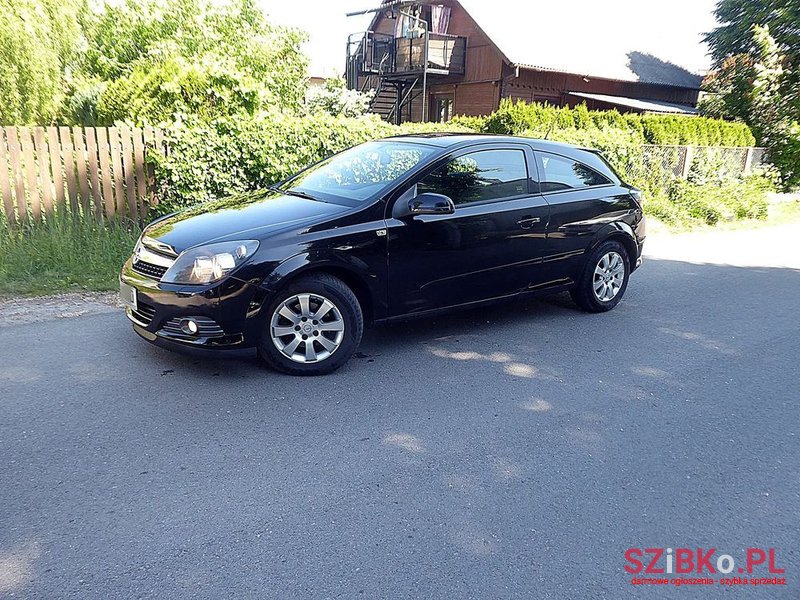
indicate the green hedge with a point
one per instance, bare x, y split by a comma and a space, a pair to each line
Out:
227, 156
517, 118
208, 160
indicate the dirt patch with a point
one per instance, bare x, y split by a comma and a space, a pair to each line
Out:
20, 311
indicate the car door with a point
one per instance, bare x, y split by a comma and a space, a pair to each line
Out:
581, 200
489, 247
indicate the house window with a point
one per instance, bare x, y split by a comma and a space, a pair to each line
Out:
442, 108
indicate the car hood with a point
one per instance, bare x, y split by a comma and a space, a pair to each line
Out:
253, 215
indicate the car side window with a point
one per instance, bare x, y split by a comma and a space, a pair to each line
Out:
559, 173
479, 176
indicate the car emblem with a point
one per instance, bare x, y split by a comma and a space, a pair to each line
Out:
158, 246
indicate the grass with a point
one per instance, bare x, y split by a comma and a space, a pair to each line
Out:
65, 255
685, 205
784, 212
778, 214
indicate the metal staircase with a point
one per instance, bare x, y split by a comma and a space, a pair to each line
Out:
384, 101
399, 70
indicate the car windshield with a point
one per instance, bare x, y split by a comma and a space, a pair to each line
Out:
361, 172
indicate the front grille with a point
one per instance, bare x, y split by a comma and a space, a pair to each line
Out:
143, 314
149, 269
206, 328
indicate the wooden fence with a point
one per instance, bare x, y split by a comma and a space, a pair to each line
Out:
96, 172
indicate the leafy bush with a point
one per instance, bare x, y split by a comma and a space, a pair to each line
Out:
473, 123
515, 118
228, 155
714, 193
694, 131
419, 128
686, 202
335, 99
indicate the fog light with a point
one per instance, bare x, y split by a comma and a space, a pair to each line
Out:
189, 327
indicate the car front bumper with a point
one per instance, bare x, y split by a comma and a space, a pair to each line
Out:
227, 313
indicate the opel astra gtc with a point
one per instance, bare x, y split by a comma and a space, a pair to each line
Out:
400, 227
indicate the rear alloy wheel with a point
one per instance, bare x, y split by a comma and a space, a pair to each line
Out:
608, 276
314, 327
604, 278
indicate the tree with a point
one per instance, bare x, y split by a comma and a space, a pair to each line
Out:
39, 41
729, 89
774, 113
162, 58
734, 37
757, 54
737, 17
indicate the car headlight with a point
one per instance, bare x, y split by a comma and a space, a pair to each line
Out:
210, 263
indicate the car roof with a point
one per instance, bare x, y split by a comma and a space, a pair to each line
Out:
452, 140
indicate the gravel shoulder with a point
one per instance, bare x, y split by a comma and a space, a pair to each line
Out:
35, 309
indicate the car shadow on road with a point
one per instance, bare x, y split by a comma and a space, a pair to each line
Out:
384, 340
670, 306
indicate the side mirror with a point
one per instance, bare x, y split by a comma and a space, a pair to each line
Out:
424, 204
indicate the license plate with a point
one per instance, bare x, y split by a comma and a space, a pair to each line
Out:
127, 295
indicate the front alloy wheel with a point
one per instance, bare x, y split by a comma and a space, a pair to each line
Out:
313, 326
307, 328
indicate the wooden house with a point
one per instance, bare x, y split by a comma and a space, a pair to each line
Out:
430, 60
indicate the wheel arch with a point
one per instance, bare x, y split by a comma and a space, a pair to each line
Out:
302, 265
618, 232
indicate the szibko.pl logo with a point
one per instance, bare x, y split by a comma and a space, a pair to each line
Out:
652, 564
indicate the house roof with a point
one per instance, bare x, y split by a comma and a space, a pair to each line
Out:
655, 106
581, 45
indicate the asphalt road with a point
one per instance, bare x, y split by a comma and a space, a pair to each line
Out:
515, 452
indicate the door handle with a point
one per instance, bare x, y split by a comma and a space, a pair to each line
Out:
528, 222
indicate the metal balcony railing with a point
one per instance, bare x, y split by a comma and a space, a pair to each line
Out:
372, 53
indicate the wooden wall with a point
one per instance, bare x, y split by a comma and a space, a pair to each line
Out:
478, 98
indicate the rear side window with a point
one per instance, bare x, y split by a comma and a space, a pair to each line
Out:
479, 176
559, 173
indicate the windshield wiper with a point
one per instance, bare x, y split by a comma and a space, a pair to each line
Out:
294, 193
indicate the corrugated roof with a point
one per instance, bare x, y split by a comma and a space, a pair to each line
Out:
576, 43
644, 105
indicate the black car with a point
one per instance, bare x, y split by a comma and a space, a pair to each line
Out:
389, 229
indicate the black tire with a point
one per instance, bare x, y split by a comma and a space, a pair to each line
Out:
584, 293
343, 299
